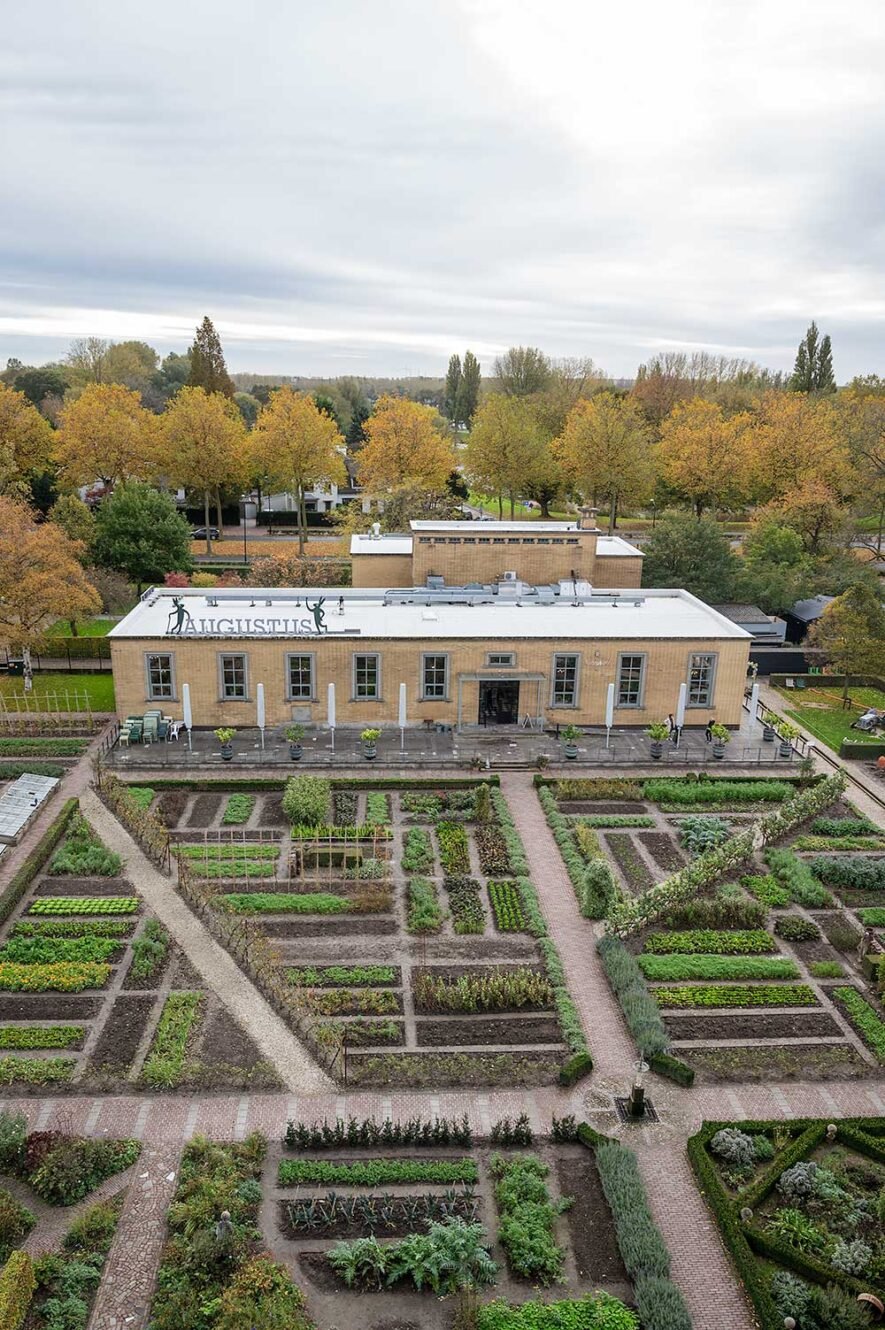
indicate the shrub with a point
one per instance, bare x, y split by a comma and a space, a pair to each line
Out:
738, 995
261, 1292
637, 1002
508, 1131
598, 889
790, 1294
857, 873
718, 967
164, 1063
797, 878
424, 914
238, 810
641, 1245
527, 1218
699, 834
17, 1285
844, 826
83, 854
660, 1304
13, 1134
734, 1146
77, 1165
742, 942
16, 1223
795, 928
306, 800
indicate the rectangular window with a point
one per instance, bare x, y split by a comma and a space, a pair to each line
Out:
366, 678
434, 676
701, 675
160, 678
233, 678
565, 681
630, 672
301, 678
499, 658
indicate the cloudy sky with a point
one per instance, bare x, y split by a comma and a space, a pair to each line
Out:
353, 187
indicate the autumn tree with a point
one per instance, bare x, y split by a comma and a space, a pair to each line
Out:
813, 370
41, 578
605, 451
684, 552
25, 442
860, 419
407, 446
208, 370
106, 434
132, 363
295, 446
140, 533
505, 451
699, 454
203, 446
795, 440
86, 361
522, 371
851, 634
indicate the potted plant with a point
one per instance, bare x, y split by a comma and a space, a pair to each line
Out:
658, 733
295, 734
570, 735
370, 739
721, 736
225, 735
768, 730
787, 733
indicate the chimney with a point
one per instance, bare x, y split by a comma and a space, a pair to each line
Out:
588, 519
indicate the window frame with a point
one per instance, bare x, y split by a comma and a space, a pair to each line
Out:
508, 664
150, 695
365, 655
713, 657
639, 704
221, 657
566, 706
311, 657
435, 697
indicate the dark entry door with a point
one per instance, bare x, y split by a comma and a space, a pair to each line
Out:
499, 701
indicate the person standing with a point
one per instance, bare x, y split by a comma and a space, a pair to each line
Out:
708, 732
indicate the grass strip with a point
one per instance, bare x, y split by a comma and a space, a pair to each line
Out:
737, 995
718, 967
164, 1063
375, 1172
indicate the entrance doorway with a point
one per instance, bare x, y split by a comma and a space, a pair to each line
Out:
498, 701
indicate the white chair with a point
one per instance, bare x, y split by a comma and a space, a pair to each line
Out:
174, 730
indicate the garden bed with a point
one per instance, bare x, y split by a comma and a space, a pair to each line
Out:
752, 1025
125, 1027
477, 1030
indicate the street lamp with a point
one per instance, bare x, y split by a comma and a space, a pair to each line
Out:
243, 502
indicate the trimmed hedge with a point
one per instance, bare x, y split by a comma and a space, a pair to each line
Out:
634, 996
17, 1287
36, 859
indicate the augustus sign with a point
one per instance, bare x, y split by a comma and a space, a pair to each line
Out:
181, 623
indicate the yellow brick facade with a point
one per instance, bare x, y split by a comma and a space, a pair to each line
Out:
482, 554
196, 662
621, 570
381, 570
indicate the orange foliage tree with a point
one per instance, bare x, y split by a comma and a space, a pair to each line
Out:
203, 446
700, 454
295, 446
605, 451
25, 441
106, 434
407, 445
41, 577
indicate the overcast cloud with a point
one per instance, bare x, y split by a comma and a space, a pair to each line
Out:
353, 187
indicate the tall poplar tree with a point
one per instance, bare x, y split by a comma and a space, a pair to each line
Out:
208, 370
453, 388
813, 370
468, 390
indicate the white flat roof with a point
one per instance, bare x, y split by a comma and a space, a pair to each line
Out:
614, 545
283, 613
493, 525
393, 544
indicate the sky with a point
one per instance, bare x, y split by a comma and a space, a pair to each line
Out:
365, 187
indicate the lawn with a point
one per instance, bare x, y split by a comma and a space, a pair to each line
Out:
261, 548
86, 628
820, 712
99, 688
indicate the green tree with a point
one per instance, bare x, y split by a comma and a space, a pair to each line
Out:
86, 361
172, 374
522, 371
851, 633
506, 449
38, 384
775, 570
813, 370
468, 389
452, 389
76, 521
248, 407
684, 552
208, 370
133, 364
139, 532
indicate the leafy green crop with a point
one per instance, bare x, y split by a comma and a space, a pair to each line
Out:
738, 995
375, 1172
718, 967
84, 905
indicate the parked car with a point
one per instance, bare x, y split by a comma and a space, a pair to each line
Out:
200, 533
